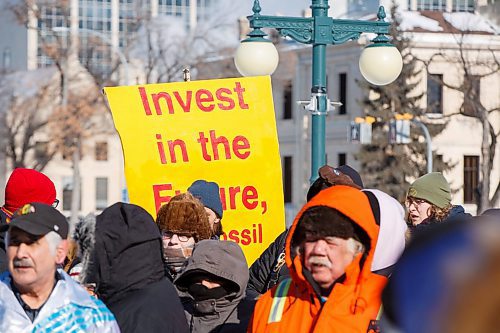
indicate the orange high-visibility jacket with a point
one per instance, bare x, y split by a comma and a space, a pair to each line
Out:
352, 306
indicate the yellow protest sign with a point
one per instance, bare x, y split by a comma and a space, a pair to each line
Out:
218, 130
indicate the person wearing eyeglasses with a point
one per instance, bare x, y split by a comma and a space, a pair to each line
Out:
428, 201
183, 222
23, 186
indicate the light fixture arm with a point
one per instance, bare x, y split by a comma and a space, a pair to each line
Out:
312, 105
317, 29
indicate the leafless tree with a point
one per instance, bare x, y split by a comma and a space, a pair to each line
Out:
80, 101
23, 123
476, 66
163, 46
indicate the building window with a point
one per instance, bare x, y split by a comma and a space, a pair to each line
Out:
472, 94
463, 6
101, 193
471, 179
68, 193
101, 151
41, 150
342, 159
287, 101
434, 93
68, 151
343, 93
287, 178
436, 5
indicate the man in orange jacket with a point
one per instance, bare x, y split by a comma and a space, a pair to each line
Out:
329, 251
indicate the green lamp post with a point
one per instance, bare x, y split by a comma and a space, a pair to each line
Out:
380, 63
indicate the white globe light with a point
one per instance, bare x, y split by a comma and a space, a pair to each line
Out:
380, 65
254, 58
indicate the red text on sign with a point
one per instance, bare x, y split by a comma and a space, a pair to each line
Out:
239, 146
231, 197
205, 100
245, 236
171, 146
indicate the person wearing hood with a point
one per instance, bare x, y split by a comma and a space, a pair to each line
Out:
429, 202
329, 253
121, 251
209, 195
215, 280
270, 268
391, 241
183, 222
24, 186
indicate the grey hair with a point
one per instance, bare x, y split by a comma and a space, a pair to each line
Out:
53, 239
355, 246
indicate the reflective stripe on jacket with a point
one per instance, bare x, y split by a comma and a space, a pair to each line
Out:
352, 305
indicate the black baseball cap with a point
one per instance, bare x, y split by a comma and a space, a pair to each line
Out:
39, 219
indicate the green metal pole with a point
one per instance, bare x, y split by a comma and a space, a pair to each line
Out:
318, 158
319, 30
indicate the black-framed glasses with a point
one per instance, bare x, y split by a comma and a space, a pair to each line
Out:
182, 237
55, 203
414, 201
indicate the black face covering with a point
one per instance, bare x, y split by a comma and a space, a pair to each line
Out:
200, 292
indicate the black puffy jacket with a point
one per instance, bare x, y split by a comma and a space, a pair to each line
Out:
268, 269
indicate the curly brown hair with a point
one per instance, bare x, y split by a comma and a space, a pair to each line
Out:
184, 214
439, 214
434, 212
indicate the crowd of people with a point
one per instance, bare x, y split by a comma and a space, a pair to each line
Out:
353, 260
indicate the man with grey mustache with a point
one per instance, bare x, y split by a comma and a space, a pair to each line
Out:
329, 252
36, 296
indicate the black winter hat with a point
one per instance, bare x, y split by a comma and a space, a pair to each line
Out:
322, 221
353, 174
329, 176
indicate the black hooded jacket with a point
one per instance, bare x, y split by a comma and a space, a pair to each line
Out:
267, 270
125, 262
